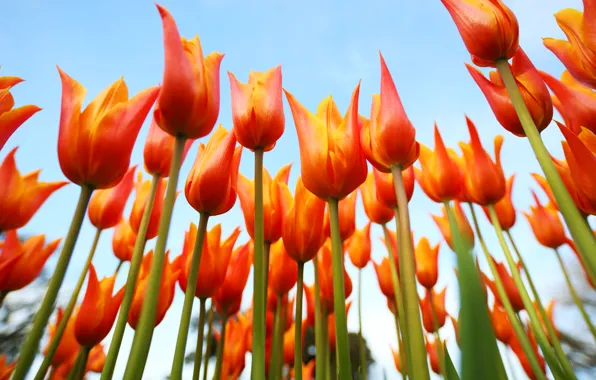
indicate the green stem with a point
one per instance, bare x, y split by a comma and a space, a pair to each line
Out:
529, 307
320, 327
195, 374
298, 325
407, 268
363, 365
78, 370
220, 349
118, 267
579, 229
259, 292
189, 296
29, 349
518, 328
401, 347
51, 351
144, 332
440, 351
575, 296
275, 349
552, 333
131, 282
339, 299
200, 334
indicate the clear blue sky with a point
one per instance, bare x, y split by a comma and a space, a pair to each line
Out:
324, 47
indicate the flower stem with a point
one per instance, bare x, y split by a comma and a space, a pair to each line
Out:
78, 370
579, 229
407, 267
118, 267
277, 332
189, 296
144, 332
298, 325
197, 369
440, 351
51, 351
363, 365
339, 298
320, 327
131, 282
220, 349
401, 347
200, 334
29, 349
259, 292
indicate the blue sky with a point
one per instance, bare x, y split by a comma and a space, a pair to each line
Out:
325, 47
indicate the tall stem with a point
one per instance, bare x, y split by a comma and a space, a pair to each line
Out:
197, 369
118, 267
131, 282
259, 292
579, 229
220, 349
298, 325
407, 268
49, 355
200, 334
144, 332
401, 347
189, 296
29, 349
440, 351
78, 370
339, 298
363, 365
275, 348
320, 331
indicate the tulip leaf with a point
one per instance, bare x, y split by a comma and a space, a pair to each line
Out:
451, 371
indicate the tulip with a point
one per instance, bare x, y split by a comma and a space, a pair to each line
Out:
523, 359
433, 310
257, 109
234, 349
6, 367
389, 139
230, 292
543, 183
462, 222
309, 295
546, 225
106, 206
386, 189
143, 195
427, 263
433, 347
533, 91
359, 247
489, 29
283, 271
455, 328
511, 289
68, 346
95, 363
383, 272
159, 149
98, 310
289, 344
347, 217
550, 316
397, 362
12, 118
21, 196
501, 323
331, 327
123, 240
374, 208
504, 208
326, 277
188, 104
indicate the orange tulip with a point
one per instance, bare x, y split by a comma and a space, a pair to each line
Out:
516, 347
272, 202
489, 29
546, 224
138, 207
326, 277
235, 347
331, 327
578, 53
394, 247
283, 271
165, 298
106, 206
484, 179
544, 185
304, 218
24, 261
94, 146
123, 241
158, 150
397, 361
188, 104
504, 208
332, 161
289, 343
510, 288
549, 314
455, 328
6, 367
375, 210
432, 348
309, 297
427, 263
438, 302
98, 310
257, 109
210, 186
359, 247
68, 346
386, 189
465, 229
347, 217
389, 139
11, 118
228, 298
440, 176
501, 323
383, 271
21, 196
532, 88
574, 249
95, 363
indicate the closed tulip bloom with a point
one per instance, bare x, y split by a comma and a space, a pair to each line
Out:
235, 347
386, 189
359, 247
465, 229
158, 150
332, 161
6, 367
272, 299
304, 218
326, 277
94, 145
166, 290
123, 240
427, 263
229, 296
309, 298
501, 323
214, 260
12, 118
138, 207
106, 206
546, 225
98, 310
210, 186
21, 196
272, 203
257, 109
25, 260
289, 343
389, 138
394, 246
439, 176
532, 88
489, 29
376, 211
504, 208
432, 347
438, 302
383, 271
331, 326
188, 104
68, 346
97, 359
283, 271
516, 347
509, 285
347, 217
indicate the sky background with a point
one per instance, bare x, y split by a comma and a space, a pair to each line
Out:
325, 47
